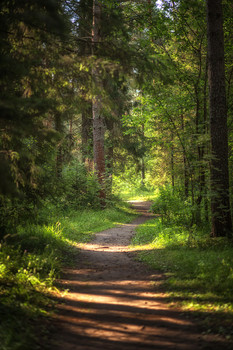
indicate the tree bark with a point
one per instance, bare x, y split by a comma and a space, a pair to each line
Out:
59, 157
97, 113
87, 137
172, 162
219, 176
142, 158
85, 48
185, 163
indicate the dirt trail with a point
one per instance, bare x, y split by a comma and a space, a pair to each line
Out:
113, 304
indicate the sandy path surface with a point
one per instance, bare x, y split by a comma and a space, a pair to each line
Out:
116, 303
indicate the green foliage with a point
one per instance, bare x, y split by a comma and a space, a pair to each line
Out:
199, 269
172, 207
79, 225
25, 102
29, 263
158, 57
31, 260
80, 187
128, 187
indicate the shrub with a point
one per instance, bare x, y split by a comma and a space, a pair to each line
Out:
81, 187
172, 207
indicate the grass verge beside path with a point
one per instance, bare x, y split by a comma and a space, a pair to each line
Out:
31, 260
199, 271
142, 193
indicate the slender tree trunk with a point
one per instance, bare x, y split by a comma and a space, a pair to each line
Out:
219, 176
68, 155
110, 126
200, 152
186, 171
87, 136
85, 48
143, 171
142, 159
59, 158
205, 98
97, 113
109, 156
172, 163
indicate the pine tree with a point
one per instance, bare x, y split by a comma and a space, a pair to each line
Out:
220, 203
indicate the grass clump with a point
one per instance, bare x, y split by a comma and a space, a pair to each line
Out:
31, 260
198, 269
208, 264
140, 193
80, 225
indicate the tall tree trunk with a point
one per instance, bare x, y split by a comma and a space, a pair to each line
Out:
205, 100
142, 158
97, 113
87, 136
172, 162
142, 172
219, 176
59, 157
200, 151
85, 48
109, 168
110, 125
186, 167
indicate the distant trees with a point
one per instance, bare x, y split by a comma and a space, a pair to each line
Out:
90, 86
190, 147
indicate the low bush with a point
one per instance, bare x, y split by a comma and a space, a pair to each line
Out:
80, 188
172, 207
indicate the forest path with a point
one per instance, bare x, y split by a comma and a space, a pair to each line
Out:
115, 302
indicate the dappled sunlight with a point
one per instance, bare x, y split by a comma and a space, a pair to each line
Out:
119, 313
128, 225
120, 248
114, 302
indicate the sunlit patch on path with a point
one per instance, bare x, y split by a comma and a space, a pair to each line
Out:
113, 303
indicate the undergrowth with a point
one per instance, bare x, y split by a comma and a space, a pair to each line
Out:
30, 261
128, 192
198, 269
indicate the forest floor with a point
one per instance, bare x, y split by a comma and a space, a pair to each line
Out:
115, 302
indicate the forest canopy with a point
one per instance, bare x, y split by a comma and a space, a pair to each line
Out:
100, 95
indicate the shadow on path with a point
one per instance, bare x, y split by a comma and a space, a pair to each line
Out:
112, 304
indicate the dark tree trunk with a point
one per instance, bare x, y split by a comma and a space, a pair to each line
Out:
205, 98
186, 171
142, 158
172, 163
143, 172
87, 137
59, 157
219, 176
110, 125
97, 112
109, 170
85, 31
98, 146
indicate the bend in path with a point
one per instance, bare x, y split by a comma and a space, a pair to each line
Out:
115, 302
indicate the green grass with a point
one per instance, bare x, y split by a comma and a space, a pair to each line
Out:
198, 270
80, 225
32, 259
139, 194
